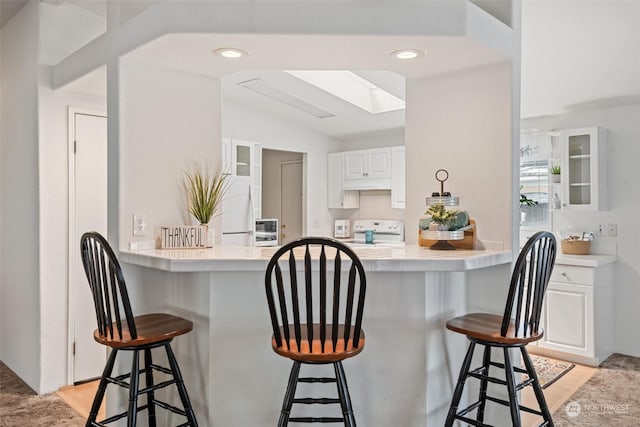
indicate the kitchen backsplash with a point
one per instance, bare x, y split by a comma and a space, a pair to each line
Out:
374, 204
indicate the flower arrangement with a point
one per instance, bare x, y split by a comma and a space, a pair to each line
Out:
204, 189
441, 215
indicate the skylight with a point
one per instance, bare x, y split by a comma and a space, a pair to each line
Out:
352, 88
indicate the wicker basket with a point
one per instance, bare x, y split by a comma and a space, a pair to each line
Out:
576, 247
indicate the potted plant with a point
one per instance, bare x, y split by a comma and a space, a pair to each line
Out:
555, 173
441, 217
204, 189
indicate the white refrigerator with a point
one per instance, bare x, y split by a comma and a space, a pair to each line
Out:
237, 213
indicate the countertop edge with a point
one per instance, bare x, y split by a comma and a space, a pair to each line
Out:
405, 260
585, 260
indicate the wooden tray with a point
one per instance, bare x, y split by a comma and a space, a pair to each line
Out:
468, 242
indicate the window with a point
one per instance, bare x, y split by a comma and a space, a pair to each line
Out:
535, 151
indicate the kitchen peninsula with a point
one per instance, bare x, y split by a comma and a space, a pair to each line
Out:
404, 376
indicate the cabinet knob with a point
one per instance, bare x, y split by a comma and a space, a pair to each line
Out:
565, 275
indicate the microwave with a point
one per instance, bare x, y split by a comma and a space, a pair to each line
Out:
266, 232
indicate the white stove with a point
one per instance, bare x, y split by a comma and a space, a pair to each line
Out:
385, 232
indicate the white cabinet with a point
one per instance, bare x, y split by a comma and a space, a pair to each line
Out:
584, 169
577, 314
367, 169
397, 177
244, 159
338, 198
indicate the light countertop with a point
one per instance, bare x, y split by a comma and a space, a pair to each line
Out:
585, 260
381, 259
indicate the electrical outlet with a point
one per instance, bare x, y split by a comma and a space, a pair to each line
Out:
600, 232
139, 224
612, 230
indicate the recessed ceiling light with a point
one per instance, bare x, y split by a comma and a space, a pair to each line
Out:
407, 53
230, 52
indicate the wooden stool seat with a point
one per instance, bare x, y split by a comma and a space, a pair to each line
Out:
319, 353
151, 328
487, 327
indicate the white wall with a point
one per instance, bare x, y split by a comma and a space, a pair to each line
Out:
623, 140
168, 120
461, 122
244, 123
54, 210
19, 274
387, 138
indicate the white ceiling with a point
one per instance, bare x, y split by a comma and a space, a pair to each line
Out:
269, 54
579, 54
575, 54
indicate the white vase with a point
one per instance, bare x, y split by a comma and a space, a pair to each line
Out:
555, 178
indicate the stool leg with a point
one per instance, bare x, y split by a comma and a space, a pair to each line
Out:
542, 403
289, 395
182, 390
511, 387
457, 393
102, 388
134, 380
151, 406
345, 398
482, 396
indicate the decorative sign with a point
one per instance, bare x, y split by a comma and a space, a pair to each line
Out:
183, 236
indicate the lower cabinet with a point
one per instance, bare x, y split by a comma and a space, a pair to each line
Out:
577, 315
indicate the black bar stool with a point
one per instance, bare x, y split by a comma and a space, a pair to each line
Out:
333, 329
519, 326
138, 334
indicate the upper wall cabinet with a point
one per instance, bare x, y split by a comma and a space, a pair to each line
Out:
584, 169
338, 197
367, 169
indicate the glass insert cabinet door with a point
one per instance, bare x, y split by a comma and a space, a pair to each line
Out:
579, 169
584, 168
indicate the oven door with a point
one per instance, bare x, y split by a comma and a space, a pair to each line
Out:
266, 233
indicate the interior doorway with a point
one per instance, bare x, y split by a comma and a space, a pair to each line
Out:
87, 212
290, 201
282, 191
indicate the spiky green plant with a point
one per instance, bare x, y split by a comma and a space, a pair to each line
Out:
204, 189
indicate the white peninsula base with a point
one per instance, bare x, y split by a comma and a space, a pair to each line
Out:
406, 373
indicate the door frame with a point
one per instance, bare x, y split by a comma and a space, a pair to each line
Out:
73, 240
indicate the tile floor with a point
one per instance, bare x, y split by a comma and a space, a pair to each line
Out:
80, 397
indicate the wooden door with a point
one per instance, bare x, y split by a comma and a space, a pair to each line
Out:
290, 201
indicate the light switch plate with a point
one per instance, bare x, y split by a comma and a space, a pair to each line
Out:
139, 224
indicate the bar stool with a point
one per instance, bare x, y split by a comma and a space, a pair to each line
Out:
137, 334
519, 326
328, 336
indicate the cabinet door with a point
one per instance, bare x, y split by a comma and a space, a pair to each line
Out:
355, 164
397, 177
567, 319
583, 174
338, 198
378, 163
